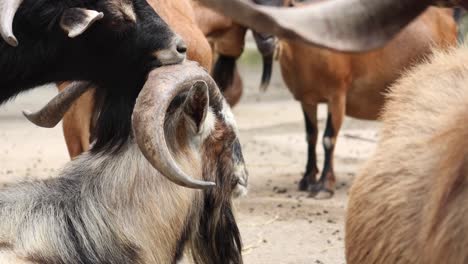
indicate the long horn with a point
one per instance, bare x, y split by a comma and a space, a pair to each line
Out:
344, 25
266, 44
149, 115
51, 114
8, 9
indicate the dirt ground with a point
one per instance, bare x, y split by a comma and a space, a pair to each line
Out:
279, 224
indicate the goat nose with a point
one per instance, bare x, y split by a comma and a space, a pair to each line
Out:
174, 54
181, 47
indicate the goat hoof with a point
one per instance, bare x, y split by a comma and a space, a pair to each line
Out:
304, 184
320, 191
307, 180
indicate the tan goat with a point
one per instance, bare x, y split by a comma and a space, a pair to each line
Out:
409, 204
353, 84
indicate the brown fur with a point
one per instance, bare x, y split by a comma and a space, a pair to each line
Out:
355, 84
408, 205
227, 38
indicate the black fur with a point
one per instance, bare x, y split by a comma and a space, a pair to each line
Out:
218, 239
114, 54
185, 236
311, 167
223, 71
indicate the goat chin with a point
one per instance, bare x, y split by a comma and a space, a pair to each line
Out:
101, 206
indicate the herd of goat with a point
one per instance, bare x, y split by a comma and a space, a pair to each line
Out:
156, 158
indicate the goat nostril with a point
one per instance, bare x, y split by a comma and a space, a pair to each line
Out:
181, 47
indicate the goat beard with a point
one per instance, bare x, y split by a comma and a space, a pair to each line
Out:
218, 238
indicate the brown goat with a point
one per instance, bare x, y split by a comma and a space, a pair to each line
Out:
408, 204
353, 84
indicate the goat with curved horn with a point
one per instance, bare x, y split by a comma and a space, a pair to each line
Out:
344, 25
149, 115
7, 13
51, 114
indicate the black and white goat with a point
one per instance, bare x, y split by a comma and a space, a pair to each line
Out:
118, 206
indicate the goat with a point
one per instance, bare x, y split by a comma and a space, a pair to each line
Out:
192, 24
113, 43
353, 84
408, 204
116, 205
79, 121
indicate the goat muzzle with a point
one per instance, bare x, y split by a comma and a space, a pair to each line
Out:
8, 9
149, 116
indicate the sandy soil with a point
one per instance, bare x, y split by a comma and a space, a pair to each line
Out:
279, 224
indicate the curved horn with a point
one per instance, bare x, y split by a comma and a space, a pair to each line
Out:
7, 13
149, 115
51, 114
266, 44
344, 25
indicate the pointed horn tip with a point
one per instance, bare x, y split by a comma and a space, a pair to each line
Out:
12, 41
31, 118
26, 113
202, 185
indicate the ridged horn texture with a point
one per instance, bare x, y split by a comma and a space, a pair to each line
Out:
51, 114
343, 25
8, 10
149, 115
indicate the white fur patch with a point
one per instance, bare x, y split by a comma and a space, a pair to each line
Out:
228, 115
239, 191
242, 176
205, 129
328, 142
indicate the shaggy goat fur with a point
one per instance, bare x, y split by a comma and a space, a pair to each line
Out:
408, 205
116, 208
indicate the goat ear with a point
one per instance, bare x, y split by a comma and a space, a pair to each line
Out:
75, 21
197, 103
